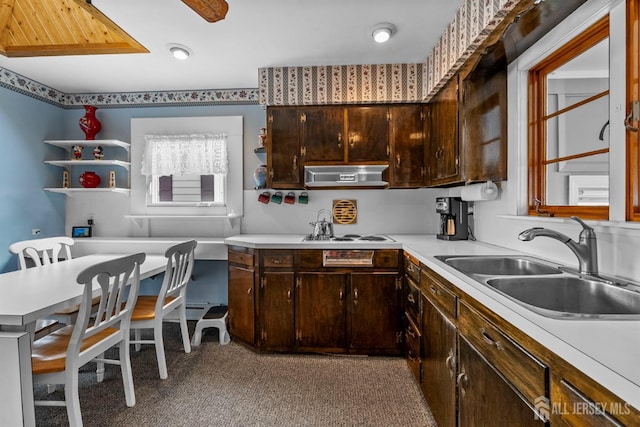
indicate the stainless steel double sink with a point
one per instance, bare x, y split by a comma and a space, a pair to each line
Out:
551, 290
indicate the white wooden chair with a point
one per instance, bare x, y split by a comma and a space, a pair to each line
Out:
57, 357
39, 252
152, 310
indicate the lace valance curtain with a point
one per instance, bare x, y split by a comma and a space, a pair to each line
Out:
197, 154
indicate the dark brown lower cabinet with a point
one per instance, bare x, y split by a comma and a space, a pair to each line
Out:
438, 385
485, 397
374, 320
242, 303
276, 310
320, 311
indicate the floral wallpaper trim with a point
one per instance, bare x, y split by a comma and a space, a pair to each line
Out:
25, 86
472, 25
340, 84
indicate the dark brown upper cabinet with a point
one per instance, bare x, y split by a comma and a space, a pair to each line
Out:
442, 153
283, 148
322, 134
367, 134
406, 146
467, 128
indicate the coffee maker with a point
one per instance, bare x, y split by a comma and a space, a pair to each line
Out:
454, 215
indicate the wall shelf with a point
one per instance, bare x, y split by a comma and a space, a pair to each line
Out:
70, 163
68, 143
140, 218
67, 163
71, 191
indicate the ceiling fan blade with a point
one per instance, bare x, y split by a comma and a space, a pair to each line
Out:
210, 10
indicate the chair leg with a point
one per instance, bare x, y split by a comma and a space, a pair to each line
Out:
157, 338
127, 376
138, 336
184, 329
72, 398
197, 335
100, 369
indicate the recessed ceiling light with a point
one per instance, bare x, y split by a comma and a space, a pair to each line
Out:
383, 32
179, 51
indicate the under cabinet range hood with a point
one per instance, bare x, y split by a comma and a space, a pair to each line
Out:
345, 176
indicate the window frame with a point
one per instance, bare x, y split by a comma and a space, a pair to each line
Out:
632, 84
537, 106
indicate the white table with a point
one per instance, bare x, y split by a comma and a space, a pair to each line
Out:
27, 295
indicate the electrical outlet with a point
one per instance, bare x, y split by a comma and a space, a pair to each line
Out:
35, 231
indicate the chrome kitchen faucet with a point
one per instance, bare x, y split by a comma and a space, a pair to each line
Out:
585, 249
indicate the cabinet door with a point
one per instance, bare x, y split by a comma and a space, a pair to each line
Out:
439, 364
283, 148
367, 134
320, 310
442, 131
241, 303
406, 165
276, 311
375, 313
323, 134
484, 124
486, 399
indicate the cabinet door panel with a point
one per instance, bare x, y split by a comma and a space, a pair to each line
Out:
323, 134
442, 128
486, 399
439, 365
367, 134
320, 310
407, 146
375, 311
241, 303
276, 308
283, 149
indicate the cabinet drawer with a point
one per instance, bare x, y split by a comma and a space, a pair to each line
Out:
386, 258
412, 300
576, 409
241, 258
437, 293
412, 267
517, 365
412, 336
277, 259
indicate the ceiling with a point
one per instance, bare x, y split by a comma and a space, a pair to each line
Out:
254, 34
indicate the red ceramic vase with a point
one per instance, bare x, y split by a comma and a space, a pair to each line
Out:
89, 123
89, 179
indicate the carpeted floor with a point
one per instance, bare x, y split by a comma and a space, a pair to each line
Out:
231, 385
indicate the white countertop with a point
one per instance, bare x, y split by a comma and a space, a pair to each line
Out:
209, 248
606, 350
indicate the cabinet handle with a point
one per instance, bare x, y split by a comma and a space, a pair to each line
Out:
341, 295
490, 341
397, 161
295, 163
339, 139
450, 363
435, 290
277, 261
410, 333
289, 295
411, 299
462, 381
249, 291
355, 296
388, 150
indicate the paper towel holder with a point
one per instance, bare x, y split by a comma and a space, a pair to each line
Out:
480, 191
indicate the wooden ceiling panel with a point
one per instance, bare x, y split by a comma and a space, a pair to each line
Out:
60, 27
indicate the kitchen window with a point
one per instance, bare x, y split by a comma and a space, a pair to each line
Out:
185, 170
569, 125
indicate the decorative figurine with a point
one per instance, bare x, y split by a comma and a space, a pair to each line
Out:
112, 179
263, 137
77, 152
65, 179
97, 153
